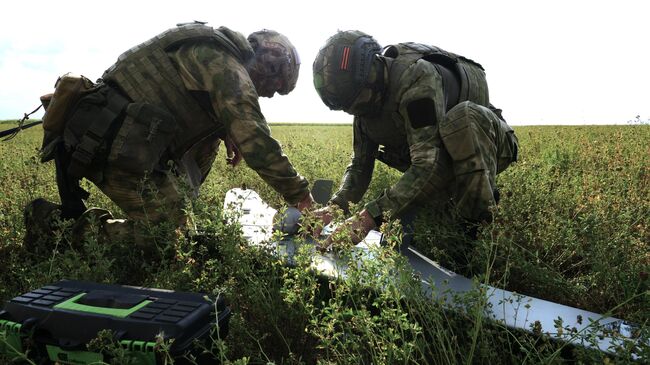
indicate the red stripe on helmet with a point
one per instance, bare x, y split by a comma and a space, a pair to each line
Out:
345, 59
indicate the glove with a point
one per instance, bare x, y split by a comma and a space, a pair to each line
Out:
289, 222
325, 216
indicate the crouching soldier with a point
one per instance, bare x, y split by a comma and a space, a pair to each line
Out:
150, 128
423, 111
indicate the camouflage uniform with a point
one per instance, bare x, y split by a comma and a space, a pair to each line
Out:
220, 78
438, 129
187, 89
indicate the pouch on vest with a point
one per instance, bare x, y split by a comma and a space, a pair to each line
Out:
68, 89
509, 148
460, 141
147, 131
89, 131
58, 106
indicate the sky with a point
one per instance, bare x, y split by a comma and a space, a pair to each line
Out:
547, 62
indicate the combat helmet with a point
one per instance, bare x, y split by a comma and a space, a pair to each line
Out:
342, 66
279, 57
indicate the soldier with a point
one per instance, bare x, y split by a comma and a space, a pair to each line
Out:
151, 127
423, 111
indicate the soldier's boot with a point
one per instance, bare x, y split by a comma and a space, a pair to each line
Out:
99, 224
91, 224
41, 218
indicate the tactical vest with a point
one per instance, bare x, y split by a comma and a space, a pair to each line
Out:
145, 74
385, 127
471, 75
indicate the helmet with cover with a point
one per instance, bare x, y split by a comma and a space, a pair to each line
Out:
342, 66
278, 59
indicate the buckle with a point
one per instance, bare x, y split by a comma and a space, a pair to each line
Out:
85, 151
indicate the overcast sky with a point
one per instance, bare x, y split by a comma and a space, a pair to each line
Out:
547, 62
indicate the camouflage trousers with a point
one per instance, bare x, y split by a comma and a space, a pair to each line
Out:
161, 196
146, 199
480, 145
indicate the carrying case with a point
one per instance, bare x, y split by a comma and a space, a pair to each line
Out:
61, 319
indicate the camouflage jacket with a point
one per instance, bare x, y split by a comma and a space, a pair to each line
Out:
403, 134
223, 102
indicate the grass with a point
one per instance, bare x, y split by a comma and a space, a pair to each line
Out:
572, 227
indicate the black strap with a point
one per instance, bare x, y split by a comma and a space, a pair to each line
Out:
71, 194
72, 167
13, 131
87, 150
451, 85
21, 125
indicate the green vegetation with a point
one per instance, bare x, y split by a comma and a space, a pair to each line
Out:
572, 227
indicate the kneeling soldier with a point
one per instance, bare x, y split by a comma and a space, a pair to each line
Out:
423, 111
151, 127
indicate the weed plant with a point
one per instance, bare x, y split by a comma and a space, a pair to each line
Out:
571, 227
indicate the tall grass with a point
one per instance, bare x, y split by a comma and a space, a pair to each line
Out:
572, 227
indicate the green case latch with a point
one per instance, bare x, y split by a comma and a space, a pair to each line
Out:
10, 341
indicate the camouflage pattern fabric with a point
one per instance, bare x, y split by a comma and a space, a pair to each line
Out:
156, 197
230, 99
280, 60
461, 166
479, 147
189, 88
234, 100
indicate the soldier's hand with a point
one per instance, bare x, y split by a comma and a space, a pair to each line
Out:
356, 228
360, 225
324, 216
233, 156
306, 203
289, 220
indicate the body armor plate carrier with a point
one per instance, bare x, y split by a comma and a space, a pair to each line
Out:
470, 75
145, 74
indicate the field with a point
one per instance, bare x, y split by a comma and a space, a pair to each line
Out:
572, 227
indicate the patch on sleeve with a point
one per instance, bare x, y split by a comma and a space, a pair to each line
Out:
422, 113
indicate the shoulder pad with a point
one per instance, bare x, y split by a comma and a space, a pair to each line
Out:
471, 61
401, 49
189, 23
239, 41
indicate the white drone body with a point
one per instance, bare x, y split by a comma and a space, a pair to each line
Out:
513, 310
